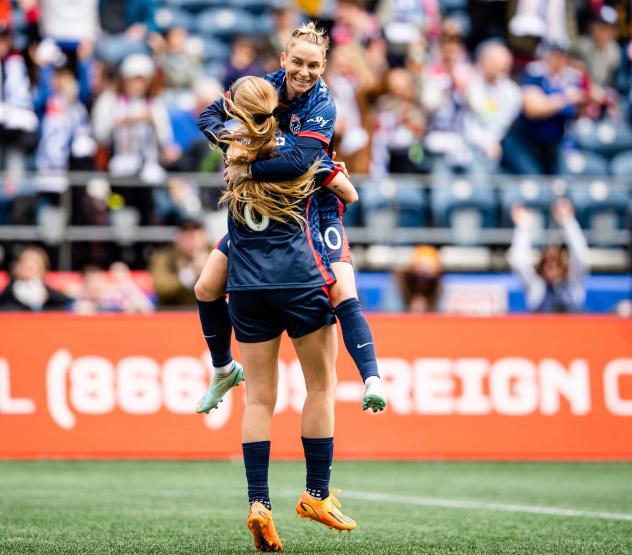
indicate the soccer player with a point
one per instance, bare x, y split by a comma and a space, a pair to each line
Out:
277, 270
306, 115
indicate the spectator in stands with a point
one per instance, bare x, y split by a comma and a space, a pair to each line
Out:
18, 122
286, 19
352, 83
196, 155
444, 82
403, 20
551, 96
134, 123
129, 28
599, 49
176, 268
48, 57
243, 61
115, 292
548, 21
556, 283
69, 24
65, 133
420, 283
27, 289
354, 23
179, 64
493, 103
400, 125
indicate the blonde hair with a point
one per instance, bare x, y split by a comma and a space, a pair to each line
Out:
310, 33
253, 103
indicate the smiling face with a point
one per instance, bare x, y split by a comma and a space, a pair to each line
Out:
304, 62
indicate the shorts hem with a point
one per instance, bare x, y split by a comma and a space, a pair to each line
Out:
259, 339
329, 321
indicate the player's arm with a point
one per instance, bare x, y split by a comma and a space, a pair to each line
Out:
212, 122
290, 165
338, 183
314, 137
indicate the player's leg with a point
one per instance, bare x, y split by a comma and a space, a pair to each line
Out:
355, 327
260, 362
317, 354
259, 338
216, 326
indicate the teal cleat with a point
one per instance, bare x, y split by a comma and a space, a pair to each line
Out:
374, 398
219, 387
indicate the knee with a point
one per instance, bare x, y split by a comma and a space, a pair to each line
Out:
205, 292
263, 402
324, 391
342, 292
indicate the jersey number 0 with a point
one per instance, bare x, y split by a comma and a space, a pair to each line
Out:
252, 224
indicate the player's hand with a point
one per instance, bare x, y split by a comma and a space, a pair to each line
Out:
236, 174
562, 210
341, 165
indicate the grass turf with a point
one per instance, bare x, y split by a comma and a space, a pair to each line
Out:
199, 508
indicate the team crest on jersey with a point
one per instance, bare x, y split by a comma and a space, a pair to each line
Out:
295, 124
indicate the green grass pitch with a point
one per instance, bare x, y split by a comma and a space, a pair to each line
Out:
198, 508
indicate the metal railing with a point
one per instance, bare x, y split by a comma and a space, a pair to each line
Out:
383, 231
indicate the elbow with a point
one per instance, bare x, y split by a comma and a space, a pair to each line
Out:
351, 197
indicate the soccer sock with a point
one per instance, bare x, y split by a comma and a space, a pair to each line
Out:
217, 329
319, 456
357, 336
257, 461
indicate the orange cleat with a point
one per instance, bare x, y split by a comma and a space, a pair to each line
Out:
326, 511
261, 526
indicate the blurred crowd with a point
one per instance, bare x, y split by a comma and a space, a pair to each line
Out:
440, 87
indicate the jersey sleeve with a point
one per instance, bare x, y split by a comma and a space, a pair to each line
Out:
326, 171
212, 121
320, 121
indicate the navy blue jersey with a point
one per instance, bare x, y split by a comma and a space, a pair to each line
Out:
266, 254
312, 114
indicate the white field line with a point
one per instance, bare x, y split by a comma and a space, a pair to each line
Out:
431, 502
482, 505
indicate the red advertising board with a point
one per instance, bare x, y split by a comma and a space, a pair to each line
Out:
528, 387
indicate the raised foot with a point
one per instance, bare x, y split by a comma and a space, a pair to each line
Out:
219, 387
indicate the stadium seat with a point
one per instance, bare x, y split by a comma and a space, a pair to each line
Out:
621, 164
581, 163
51, 223
173, 17
196, 6
452, 5
531, 194
602, 209
253, 6
228, 23
215, 69
465, 208
405, 194
215, 50
607, 138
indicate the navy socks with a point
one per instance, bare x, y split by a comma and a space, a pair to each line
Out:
257, 461
217, 329
357, 336
319, 455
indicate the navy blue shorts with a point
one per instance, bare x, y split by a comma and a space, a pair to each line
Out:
335, 240
264, 314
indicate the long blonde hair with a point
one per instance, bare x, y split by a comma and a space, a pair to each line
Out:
253, 102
